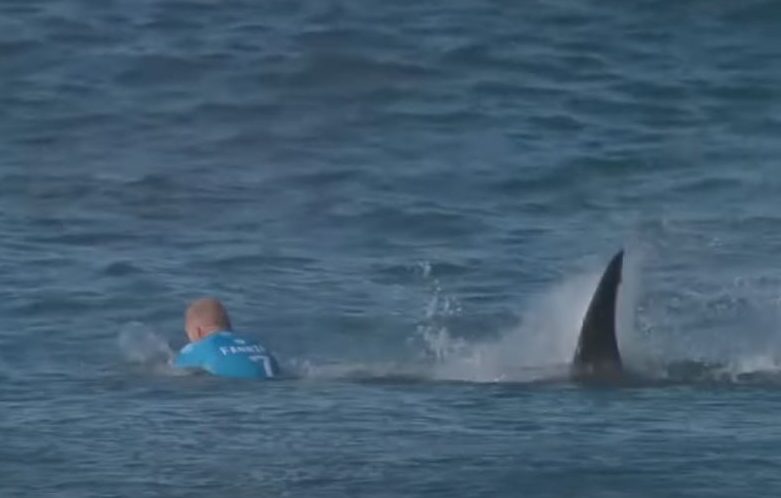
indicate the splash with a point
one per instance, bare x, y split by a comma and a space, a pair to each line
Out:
542, 345
140, 344
539, 348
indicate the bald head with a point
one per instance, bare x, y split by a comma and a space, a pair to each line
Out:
204, 317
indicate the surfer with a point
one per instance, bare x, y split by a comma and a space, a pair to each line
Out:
215, 348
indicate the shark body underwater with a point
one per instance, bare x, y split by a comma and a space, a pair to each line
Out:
597, 356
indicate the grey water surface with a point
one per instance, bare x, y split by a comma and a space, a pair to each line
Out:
410, 203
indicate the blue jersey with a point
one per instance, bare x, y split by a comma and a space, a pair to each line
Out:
227, 355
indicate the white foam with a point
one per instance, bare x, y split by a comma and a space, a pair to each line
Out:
140, 344
540, 347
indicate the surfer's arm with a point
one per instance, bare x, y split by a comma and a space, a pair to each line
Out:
189, 357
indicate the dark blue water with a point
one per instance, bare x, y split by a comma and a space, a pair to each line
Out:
410, 203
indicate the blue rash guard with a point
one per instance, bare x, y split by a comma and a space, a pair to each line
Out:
227, 355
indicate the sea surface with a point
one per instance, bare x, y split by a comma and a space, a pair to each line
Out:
410, 203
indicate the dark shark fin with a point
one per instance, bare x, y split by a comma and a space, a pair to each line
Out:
597, 354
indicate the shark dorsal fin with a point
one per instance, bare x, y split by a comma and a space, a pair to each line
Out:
597, 353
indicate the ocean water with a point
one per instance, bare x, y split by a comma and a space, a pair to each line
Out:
410, 202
